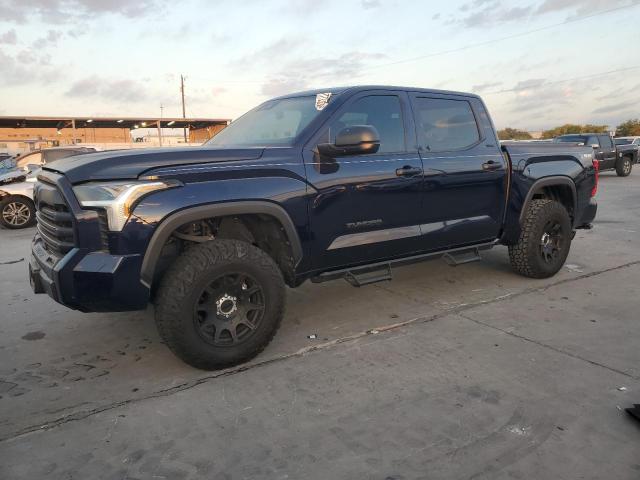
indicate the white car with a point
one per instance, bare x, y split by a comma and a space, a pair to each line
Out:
17, 209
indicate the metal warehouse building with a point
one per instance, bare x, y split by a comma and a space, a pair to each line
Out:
24, 134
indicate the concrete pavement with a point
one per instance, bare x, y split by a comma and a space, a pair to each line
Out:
475, 373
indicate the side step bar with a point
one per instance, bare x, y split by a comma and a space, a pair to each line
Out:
381, 271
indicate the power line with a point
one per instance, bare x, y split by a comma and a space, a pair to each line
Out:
555, 82
500, 39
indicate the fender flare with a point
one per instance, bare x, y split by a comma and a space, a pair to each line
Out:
549, 182
173, 221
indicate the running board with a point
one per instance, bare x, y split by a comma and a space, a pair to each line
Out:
381, 271
359, 279
460, 258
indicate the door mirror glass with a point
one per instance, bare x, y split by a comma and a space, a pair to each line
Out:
354, 140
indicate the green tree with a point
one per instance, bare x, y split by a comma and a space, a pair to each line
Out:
570, 128
630, 128
513, 134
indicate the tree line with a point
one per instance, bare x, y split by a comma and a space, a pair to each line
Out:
629, 128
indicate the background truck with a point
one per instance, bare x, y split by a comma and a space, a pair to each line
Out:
609, 154
343, 183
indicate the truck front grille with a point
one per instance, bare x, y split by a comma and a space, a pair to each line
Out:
55, 222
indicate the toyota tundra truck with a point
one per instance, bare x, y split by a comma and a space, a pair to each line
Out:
320, 185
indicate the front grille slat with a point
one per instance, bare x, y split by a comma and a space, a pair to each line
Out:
56, 216
55, 221
54, 228
53, 243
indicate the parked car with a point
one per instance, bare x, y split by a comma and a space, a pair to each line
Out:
609, 155
620, 141
316, 185
48, 155
17, 209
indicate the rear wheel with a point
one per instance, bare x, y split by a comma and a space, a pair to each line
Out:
544, 242
220, 304
17, 212
623, 166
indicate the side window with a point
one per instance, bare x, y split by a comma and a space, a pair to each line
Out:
605, 141
383, 112
637, 141
445, 125
593, 141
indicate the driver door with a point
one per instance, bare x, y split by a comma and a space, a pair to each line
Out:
365, 208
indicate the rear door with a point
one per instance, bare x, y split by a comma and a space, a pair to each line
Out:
608, 151
465, 173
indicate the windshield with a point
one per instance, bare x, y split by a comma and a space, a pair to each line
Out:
571, 139
623, 141
274, 123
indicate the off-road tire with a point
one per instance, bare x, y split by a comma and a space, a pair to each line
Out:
624, 166
12, 200
526, 256
179, 293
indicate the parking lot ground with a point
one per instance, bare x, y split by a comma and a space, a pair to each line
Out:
475, 372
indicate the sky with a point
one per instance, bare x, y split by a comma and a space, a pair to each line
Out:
536, 63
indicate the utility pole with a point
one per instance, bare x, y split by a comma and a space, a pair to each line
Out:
159, 125
184, 114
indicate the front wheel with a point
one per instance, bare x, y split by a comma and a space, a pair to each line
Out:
544, 241
17, 212
623, 166
220, 304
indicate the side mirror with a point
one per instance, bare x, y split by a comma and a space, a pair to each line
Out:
595, 145
31, 167
355, 140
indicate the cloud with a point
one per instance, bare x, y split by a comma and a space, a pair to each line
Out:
50, 40
369, 4
482, 13
304, 73
9, 37
63, 11
18, 70
580, 7
483, 87
77, 32
276, 87
276, 49
123, 90
616, 107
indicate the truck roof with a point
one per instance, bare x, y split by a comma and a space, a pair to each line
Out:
586, 134
356, 88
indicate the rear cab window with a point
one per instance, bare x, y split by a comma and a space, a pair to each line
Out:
445, 124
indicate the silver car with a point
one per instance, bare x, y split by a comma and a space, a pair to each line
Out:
17, 209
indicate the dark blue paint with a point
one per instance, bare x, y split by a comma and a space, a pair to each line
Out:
455, 202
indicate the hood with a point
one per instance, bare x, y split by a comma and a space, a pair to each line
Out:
130, 164
14, 175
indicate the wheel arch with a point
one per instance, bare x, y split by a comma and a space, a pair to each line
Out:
172, 222
561, 187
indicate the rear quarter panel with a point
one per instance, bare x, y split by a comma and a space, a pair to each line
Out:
532, 162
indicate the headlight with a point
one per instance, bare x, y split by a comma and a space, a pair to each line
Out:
118, 199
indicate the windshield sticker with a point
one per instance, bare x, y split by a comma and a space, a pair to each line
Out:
322, 99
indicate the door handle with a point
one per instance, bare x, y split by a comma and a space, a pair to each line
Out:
491, 165
408, 171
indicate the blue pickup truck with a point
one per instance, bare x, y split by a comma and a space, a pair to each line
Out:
319, 185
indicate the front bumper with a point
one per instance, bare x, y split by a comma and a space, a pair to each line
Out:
86, 276
88, 281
